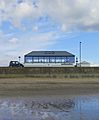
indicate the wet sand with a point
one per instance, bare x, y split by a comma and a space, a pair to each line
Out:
48, 86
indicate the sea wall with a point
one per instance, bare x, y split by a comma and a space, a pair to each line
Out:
51, 72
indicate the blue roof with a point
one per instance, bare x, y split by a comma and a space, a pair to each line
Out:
50, 53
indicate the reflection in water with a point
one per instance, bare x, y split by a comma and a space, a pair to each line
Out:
50, 108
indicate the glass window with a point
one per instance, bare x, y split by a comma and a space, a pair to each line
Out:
35, 59
41, 60
17, 62
46, 59
52, 59
67, 59
29, 59
58, 59
71, 59
63, 59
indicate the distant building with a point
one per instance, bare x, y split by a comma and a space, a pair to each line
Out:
84, 64
49, 58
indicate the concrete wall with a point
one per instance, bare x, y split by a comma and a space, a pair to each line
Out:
48, 65
70, 72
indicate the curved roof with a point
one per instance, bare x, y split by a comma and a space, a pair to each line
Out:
49, 53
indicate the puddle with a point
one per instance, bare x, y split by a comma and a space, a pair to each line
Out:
50, 108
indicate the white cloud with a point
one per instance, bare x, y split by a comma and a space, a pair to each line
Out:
44, 37
13, 41
22, 10
74, 14
16, 12
41, 41
63, 28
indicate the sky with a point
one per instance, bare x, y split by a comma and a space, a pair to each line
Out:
27, 25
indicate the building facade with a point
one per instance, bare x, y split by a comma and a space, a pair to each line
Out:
49, 58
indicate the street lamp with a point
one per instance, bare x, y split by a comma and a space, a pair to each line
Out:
19, 58
76, 61
80, 53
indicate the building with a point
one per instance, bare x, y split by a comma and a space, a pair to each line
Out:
84, 64
49, 59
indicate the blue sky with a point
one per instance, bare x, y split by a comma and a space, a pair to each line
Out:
27, 25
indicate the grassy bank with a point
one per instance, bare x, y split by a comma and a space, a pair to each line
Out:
45, 72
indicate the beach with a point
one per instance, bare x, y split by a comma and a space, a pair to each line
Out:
48, 86
49, 99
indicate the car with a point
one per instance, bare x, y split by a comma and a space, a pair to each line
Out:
15, 64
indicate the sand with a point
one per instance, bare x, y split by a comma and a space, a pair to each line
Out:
48, 86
